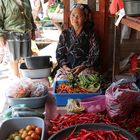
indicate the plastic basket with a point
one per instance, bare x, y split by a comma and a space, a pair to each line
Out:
62, 98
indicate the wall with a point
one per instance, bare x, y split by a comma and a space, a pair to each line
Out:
130, 45
127, 46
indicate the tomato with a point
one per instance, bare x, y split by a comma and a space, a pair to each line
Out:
30, 132
33, 126
24, 134
17, 138
28, 127
21, 130
14, 135
35, 136
38, 130
29, 138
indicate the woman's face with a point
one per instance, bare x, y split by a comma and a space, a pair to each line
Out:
77, 18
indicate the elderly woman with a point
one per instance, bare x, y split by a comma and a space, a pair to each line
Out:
78, 47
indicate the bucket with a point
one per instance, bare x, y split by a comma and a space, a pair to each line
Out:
132, 7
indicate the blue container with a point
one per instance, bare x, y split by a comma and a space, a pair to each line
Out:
62, 98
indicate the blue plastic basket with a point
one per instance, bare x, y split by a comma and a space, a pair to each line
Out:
62, 98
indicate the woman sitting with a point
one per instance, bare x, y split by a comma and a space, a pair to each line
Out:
78, 47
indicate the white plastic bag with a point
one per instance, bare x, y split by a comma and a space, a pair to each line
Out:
19, 88
39, 89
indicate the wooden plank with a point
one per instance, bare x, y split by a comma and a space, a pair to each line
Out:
66, 13
116, 51
131, 22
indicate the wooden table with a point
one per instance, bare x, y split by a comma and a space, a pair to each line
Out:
50, 109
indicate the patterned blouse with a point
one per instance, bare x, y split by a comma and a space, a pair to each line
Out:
75, 50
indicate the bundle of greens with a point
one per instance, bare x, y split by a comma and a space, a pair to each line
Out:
90, 82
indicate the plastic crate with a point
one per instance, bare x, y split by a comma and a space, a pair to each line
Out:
62, 98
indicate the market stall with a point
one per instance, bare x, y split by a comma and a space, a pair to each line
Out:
111, 110
121, 109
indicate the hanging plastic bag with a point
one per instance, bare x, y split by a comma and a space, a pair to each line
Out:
121, 97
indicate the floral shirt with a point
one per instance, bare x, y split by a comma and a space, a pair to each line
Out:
75, 50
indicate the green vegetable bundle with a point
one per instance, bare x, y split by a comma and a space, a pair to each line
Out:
90, 82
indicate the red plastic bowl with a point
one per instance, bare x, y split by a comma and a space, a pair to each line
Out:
94, 104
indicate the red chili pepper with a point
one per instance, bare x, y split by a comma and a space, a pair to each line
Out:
72, 119
55, 128
57, 117
100, 137
112, 133
85, 137
122, 137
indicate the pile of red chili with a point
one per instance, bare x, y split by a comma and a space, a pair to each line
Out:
84, 134
132, 123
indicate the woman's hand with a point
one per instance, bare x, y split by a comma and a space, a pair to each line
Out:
2, 41
66, 68
78, 69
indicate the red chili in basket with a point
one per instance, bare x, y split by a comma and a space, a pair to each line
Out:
61, 122
84, 134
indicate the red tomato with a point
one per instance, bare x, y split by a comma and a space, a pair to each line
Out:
29, 138
38, 130
24, 134
35, 136
33, 126
30, 132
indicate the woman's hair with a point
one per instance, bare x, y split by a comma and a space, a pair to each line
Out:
85, 9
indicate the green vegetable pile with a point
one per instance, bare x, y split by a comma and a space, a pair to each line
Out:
90, 82
52, 8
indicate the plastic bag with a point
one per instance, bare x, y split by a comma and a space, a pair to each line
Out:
38, 89
121, 97
19, 88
